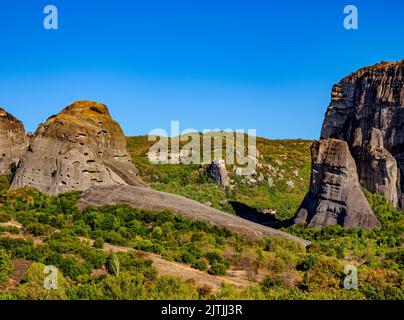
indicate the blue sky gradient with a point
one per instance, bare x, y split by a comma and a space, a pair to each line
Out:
251, 64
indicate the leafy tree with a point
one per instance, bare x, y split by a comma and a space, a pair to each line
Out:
218, 269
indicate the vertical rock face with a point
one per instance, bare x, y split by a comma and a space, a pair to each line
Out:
217, 170
335, 195
80, 147
13, 141
367, 113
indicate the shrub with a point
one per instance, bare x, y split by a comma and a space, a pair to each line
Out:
270, 282
308, 262
124, 286
380, 284
325, 274
218, 269
213, 257
99, 243
5, 266
39, 229
172, 288
198, 264
4, 217
186, 257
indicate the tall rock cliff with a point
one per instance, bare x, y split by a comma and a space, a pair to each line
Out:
335, 195
80, 147
366, 114
13, 141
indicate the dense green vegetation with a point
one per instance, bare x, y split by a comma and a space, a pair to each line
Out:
282, 161
5, 181
54, 232
5, 266
378, 253
38, 230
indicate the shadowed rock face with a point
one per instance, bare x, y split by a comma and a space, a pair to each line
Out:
13, 141
80, 147
217, 170
367, 113
335, 195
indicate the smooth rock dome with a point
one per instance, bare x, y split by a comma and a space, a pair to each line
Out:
82, 146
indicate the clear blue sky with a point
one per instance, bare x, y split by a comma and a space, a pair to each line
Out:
267, 65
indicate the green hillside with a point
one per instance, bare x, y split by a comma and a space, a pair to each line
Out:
279, 185
110, 253
119, 252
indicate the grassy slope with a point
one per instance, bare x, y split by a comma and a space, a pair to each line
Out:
279, 160
87, 272
315, 272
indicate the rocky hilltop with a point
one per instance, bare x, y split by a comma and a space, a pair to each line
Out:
13, 141
80, 147
362, 145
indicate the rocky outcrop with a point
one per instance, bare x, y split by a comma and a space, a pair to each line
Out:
335, 195
367, 113
217, 170
80, 147
148, 199
13, 141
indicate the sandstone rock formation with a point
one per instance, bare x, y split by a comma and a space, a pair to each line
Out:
217, 170
148, 199
80, 147
13, 141
335, 195
367, 113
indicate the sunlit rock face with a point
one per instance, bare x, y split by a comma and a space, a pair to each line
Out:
367, 113
335, 195
13, 141
82, 146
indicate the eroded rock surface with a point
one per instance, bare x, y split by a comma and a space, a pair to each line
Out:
148, 199
217, 170
335, 195
80, 147
367, 113
13, 141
